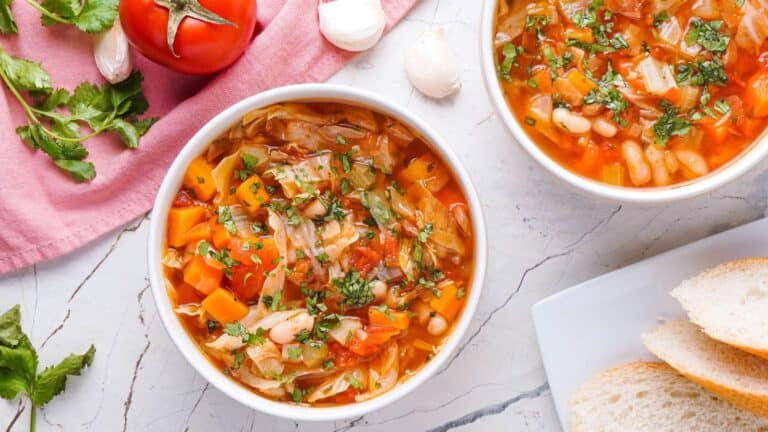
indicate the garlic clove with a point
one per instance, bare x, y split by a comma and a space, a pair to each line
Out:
112, 55
432, 67
353, 25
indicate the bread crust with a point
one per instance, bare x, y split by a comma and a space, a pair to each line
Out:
717, 271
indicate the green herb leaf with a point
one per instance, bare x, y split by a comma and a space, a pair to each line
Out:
509, 54
355, 290
52, 381
24, 74
92, 16
707, 34
10, 327
7, 24
669, 124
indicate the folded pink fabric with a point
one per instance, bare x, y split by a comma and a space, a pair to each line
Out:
44, 214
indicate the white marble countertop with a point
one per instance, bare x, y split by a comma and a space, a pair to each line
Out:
543, 238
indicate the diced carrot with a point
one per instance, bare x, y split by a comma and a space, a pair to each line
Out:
398, 320
221, 236
423, 345
428, 170
198, 178
201, 231
221, 305
181, 220
756, 94
584, 35
581, 82
269, 255
252, 194
369, 341
202, 276
448, 304
543, 80
673, 94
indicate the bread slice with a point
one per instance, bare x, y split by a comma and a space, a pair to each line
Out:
736, 376
652, 397
730, 302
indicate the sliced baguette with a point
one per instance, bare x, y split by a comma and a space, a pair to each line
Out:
652, 397
734, 375
730, 302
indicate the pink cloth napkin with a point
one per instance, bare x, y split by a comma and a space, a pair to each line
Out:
45, 215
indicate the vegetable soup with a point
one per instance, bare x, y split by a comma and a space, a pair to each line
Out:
319, 253
636, 92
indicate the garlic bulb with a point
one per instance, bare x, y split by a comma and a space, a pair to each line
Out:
431, 66
353, 25
110, 50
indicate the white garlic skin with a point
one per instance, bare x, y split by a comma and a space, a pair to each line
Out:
112, 55
352, 25
432, 67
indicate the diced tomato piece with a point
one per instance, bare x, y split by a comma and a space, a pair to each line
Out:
342, 357
364, 259
246, 281
371, 341
345, 397
302, 272
390, 246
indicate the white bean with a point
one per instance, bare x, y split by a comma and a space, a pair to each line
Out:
570, 122
655, 157
671, 161
639, 171
693, 164
284, 332
437, 325
423, 312
379, 289
604, 127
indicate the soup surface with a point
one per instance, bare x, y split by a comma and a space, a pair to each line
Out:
636, 92
319, 253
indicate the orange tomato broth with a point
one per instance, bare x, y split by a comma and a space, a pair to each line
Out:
413, 295
537, 35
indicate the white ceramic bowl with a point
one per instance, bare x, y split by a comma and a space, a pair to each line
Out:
726, 173
172, 182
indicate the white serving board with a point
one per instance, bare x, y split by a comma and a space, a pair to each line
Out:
597, 324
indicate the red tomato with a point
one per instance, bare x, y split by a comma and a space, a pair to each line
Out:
364, 259
246, 281
376, 336
201, 47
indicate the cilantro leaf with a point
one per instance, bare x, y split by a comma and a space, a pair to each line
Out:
52, 380
509, 53
55, 131
669, 124
92, 16
24, 74
12, 383
355, 290
10, 327
707, 34
7, 24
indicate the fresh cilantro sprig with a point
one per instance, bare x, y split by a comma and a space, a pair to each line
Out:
91, 16
54, 117
509, 53
19, 363
707, 34
670, 123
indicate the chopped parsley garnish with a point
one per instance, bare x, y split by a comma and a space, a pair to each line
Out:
328, 364
707, 34
670, 123
333, 208
227, 261
354, 382
355, 290
341, 140
249, 338
659, 18
605, 94
294, 352
425, 232
510, 52
722, 107
702, 73
556, 62
211, 325
324, 325
604, 42
224, 217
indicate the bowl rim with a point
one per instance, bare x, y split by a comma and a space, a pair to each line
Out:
171, 182
736, 167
